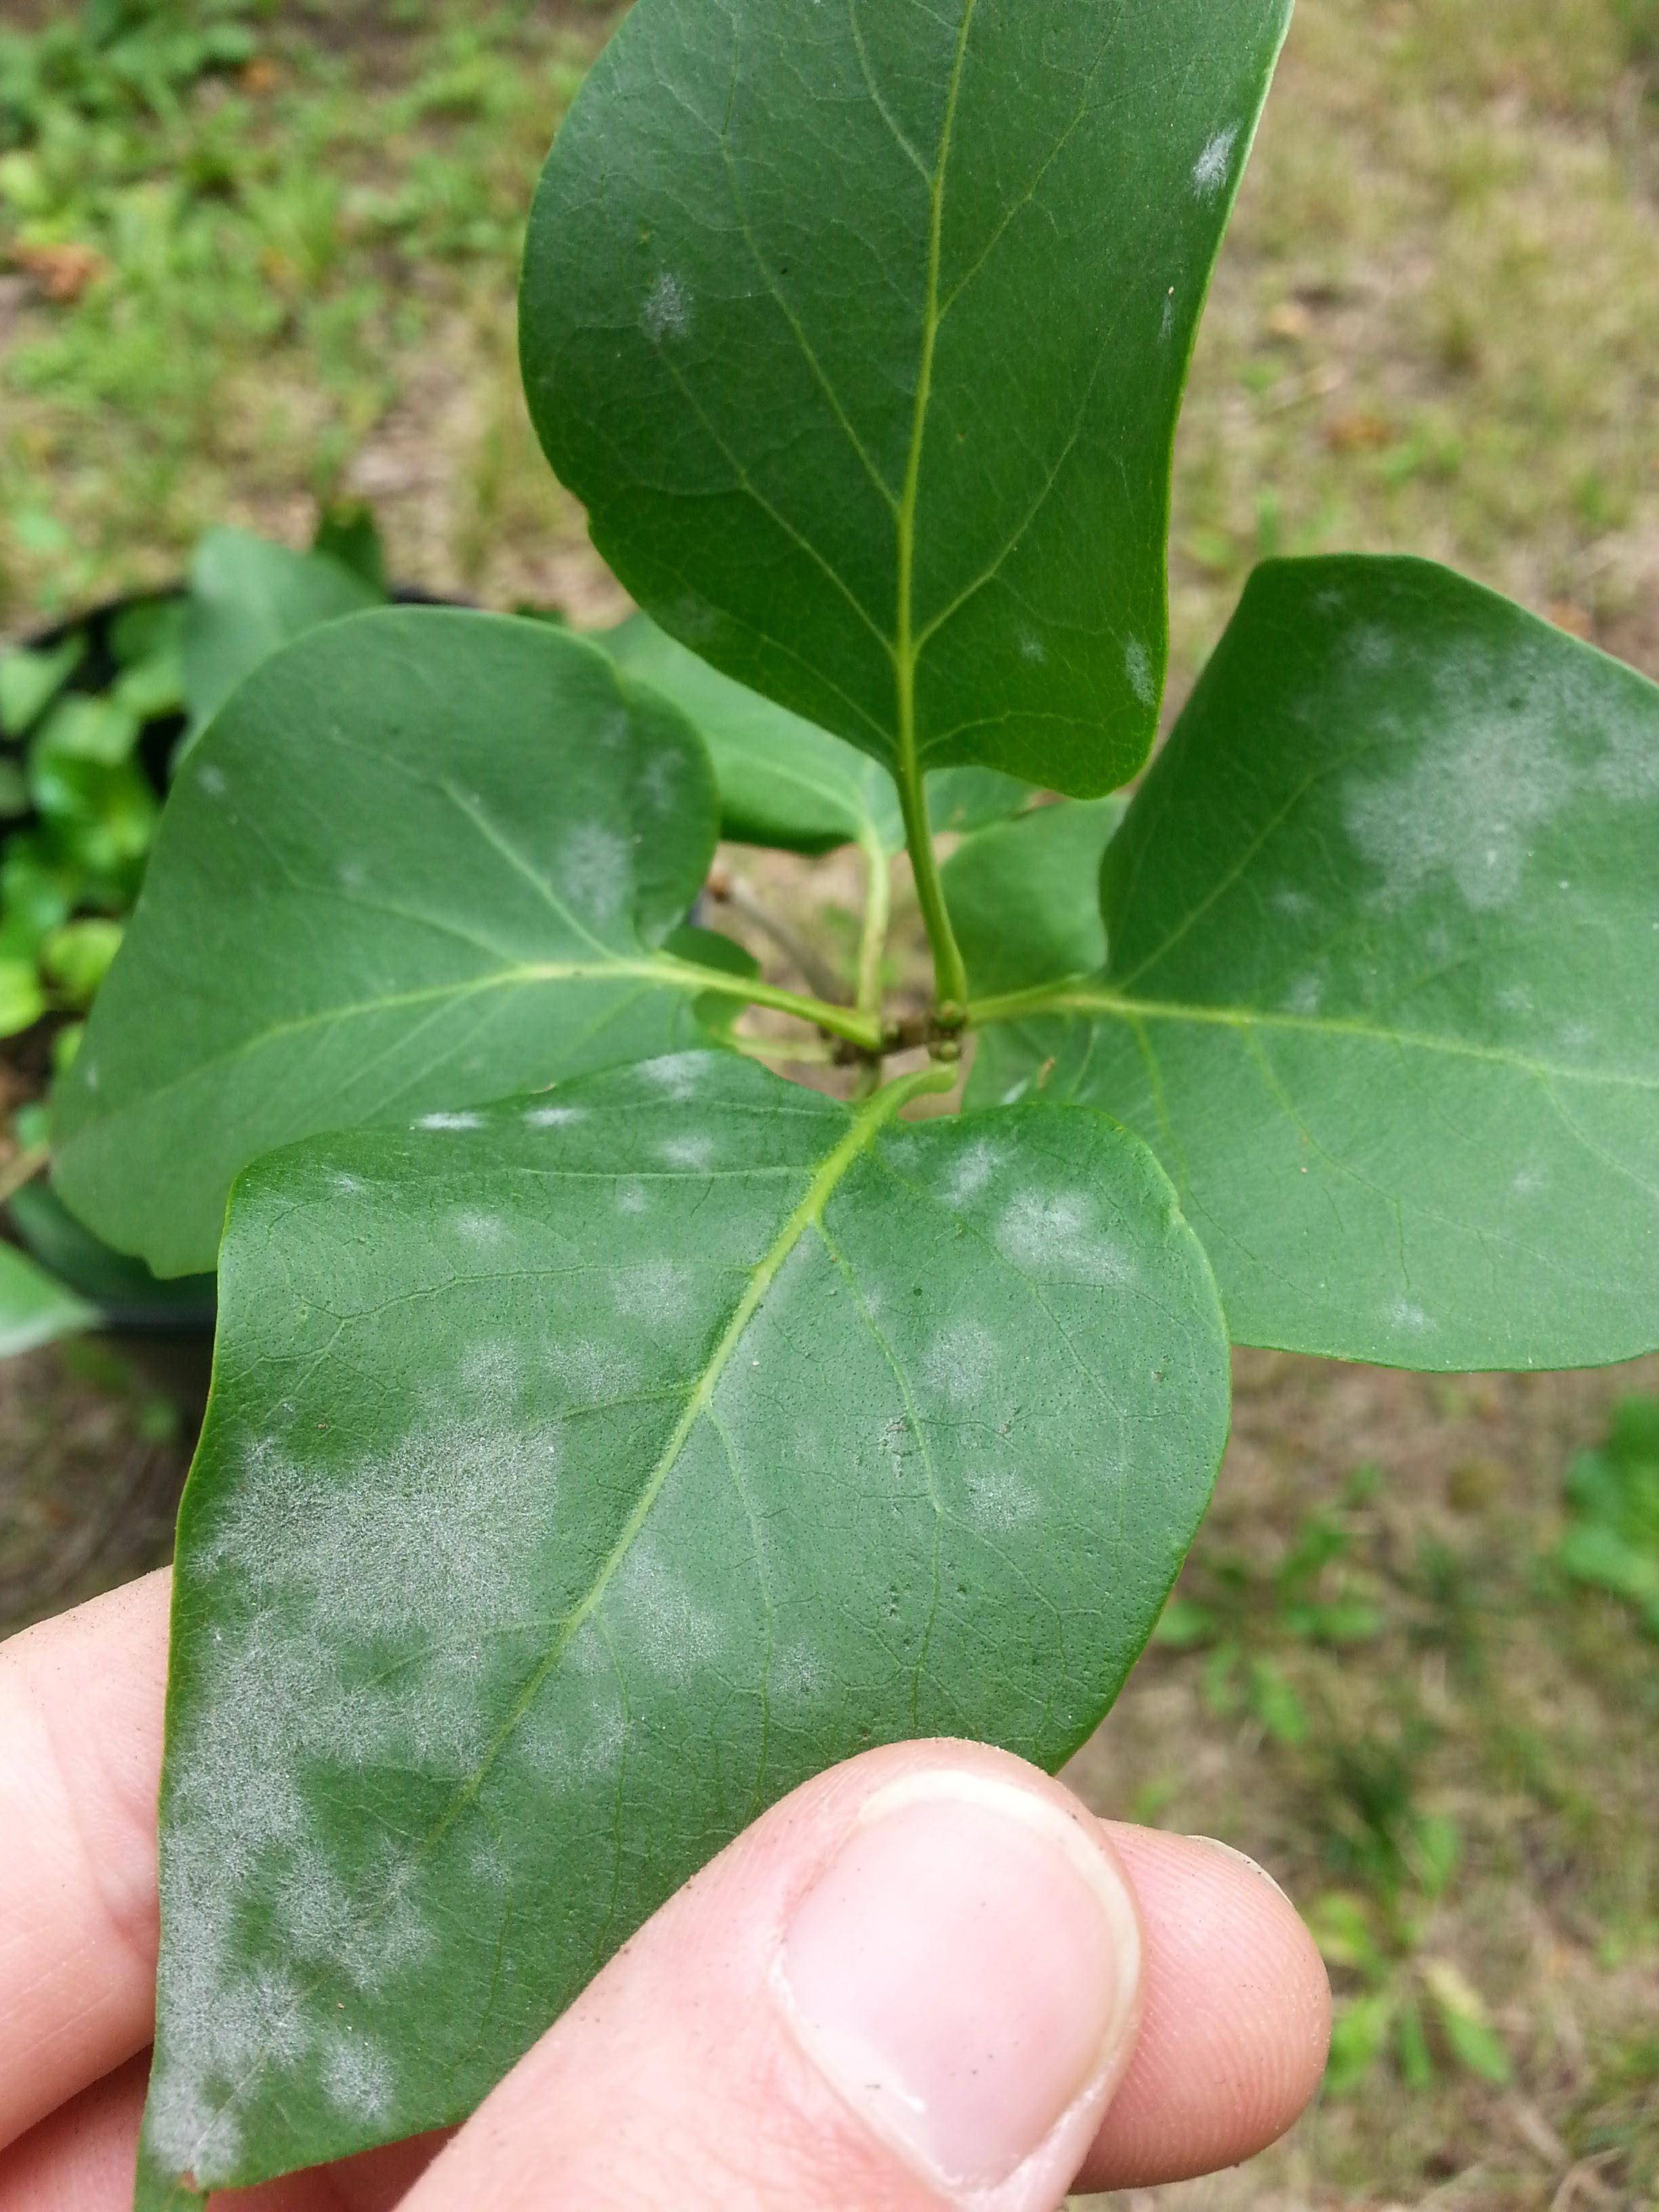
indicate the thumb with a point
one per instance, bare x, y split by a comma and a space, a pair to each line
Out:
914, 1985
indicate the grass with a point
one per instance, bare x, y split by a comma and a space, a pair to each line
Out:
1436, 329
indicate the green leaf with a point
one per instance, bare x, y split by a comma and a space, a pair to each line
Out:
1360, 2035
1342, 1928
84, 729
1384, 980
348, 533
103, 816
33, 1308
39, 885
14, 790
248, 598
77, 958
1469, 2035
1275, 1705
152, 690
718, 1432
1186, 1625
708, 948
30, 680
784, 782
963, 799
148, 630
23, 1001
1411, 2048
860, 331
422, 858
1024, 897
118, 1286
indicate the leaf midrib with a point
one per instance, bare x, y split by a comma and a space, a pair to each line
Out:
863, 1129
673, 975
1126, 1008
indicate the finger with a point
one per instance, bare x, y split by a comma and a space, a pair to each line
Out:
914, 1985
81, 1722
1235, 2020
81, 2160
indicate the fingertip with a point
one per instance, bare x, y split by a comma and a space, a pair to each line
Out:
1236, 2021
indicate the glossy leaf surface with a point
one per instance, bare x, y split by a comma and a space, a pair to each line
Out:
785, 783
718, 1431
248, 598
422, 859
1384, 980
1024, 896
860, 331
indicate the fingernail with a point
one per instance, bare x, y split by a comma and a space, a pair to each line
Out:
1232, 1852
966, 1971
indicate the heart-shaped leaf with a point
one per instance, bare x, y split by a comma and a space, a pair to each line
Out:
717, 1432
1384, 981
784, 781
421, 858
861, 331
248, 598
1024, 896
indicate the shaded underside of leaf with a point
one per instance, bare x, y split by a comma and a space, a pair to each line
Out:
717, 1432
422, 858
784, 782
247, 599
34, 1308
1024, 896
861, 331
1384, 980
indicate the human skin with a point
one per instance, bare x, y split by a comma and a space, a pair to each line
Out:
928, 1978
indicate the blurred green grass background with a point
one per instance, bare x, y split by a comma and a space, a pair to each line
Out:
268, 263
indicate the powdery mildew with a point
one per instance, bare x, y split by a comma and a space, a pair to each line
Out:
363, 1607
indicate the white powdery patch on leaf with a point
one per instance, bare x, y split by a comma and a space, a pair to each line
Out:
437, 1123
961, 1363
1515, 738
1059, 1232
593, 873
678, 1075
970, 1172
666, 312
694, 1154
554, 1117
1210, 170
657, 1293
1138, 667
594, 1374
655, 1617
358, 2076
363, 1610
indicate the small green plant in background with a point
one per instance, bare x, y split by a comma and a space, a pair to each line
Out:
1397, 1993
91, 729
1613, 1505
1240, 1613
114, 60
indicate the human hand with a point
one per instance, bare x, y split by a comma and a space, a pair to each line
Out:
928, 1978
